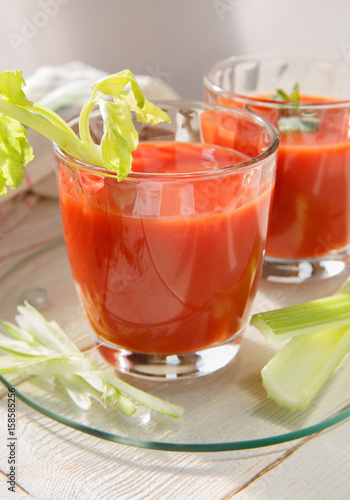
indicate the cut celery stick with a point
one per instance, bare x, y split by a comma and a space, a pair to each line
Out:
39, 347
299, 370
310, 317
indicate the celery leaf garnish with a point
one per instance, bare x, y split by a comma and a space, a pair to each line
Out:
281, 93
15, 152
119, 139
295, 93
294, 96
37, 347
11, 83
291, 119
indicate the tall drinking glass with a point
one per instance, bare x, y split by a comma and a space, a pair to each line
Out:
167, 262
309, 227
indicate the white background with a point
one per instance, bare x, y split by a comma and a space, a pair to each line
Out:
175, 40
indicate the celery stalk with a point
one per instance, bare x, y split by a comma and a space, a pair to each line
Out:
39, 347
298, 371
329, 312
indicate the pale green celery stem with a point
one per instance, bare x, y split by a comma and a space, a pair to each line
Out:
70, 143
14, 362
45, 364
53, 117
299, 370
280, 324
153, 402
121, 402
84, 121
82, 386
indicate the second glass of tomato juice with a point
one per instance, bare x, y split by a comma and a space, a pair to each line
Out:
167, 261
307, 98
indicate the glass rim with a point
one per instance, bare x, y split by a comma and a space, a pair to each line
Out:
271, 103
180, 103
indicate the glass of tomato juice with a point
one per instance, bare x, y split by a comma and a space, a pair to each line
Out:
167, 261
308, 99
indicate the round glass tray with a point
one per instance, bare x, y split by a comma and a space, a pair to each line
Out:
227, 410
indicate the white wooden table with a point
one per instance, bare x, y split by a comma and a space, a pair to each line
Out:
56, 462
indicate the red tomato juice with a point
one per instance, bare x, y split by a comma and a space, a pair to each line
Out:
180, 279
310, 214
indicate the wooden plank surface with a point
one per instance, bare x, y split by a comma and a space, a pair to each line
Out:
57, 462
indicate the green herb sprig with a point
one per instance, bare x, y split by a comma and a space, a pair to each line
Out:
291, 119
294, 96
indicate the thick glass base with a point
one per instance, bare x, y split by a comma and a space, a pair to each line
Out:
172, 366
299, 270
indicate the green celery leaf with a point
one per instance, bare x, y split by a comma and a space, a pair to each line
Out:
11, 83
3, 189
295, 93
15, 152
119, 139
149, 113
118, 118
114, 84
281, 93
